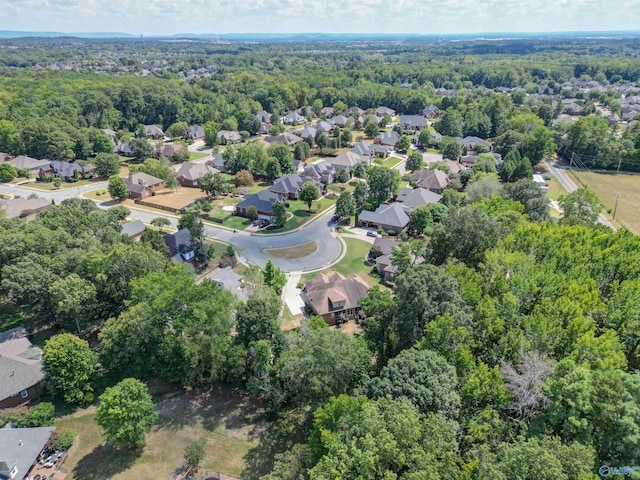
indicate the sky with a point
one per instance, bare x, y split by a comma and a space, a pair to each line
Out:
168, 17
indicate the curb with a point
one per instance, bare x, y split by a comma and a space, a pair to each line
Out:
304, 225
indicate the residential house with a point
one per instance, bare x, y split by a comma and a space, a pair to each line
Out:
194, 132
540, 181
229, 137
389, 139
434, 180
306, 110
470, 143
571, 107
327, 112
22, 162
230, 281
26, 209
179, 243
142, 185
293, 117
321, 171
307, 132
298, 167
111, 134
4, 157
263, 201
218, 162
382, 111
264, 129
287, 138
380, 253
454, 167
348, 160
412, 198
437, 137
370, 149
190, 173
20, 450
20, 369
65, 171
153, 131
339, 121
391, 217
133, 229
431, 111
263, 116
335, 297
366, 118
469, 160
324, 127
169, 150
289, 186
124, 149
413, 122
354, 111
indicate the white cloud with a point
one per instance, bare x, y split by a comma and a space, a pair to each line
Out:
354, 16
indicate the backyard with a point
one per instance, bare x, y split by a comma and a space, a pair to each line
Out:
230, 421
176, 199
606, 186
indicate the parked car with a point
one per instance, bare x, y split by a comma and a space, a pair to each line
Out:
371, 233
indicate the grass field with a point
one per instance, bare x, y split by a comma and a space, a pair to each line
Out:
299, 251
197, 155
230, 422
301, 215
64, 185
555, 189
353, 262
176, 199
607, 186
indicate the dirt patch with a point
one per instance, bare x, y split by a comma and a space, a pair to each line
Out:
176, 199
297, 251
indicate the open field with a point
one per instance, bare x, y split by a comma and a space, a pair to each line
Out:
299, 251
353, 262
231, 423
607, 186
176, 198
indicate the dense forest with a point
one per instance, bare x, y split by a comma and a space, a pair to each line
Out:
511, 351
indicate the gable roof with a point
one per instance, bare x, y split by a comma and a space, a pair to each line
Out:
324, 126
218, 161
136, 182
431, 179
413, 121
412, 198
454, 167
131, 229
286, 138
193, 171
318, 170
22, 161
20, 363
153, 131
289, 184
230, 281
169, 149
306, 132
67, 169
382, 111
263, 200
124, 148
385, 245
392, 215
339, 120
194, 131
325, 290
263, 116
229, 135
347, 160
179, 244
327, 111
430, 111
471, 142
294, 117
352, 110
20, 448
389, 138
13, 208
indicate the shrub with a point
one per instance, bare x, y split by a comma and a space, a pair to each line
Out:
61, 440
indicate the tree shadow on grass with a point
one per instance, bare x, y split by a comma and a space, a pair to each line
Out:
104, 462
290, 429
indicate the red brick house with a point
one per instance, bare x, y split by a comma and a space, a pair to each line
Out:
142, 185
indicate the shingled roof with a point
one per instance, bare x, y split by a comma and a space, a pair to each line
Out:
333, 292
20, 363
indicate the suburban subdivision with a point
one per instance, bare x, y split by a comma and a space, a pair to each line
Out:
309, 257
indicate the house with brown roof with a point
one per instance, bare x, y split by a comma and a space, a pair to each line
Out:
287, 138
20, 368
381, 253
153, 131
348, 160
229, 137
190, 173
434, 180
169, 150
335, 297
142, 185
26, 209
23, 162
382, 111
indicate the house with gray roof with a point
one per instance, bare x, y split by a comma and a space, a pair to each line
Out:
293, 117
133, 229
431, 111
321, 171
124, 149
324, 127
194, 132
412, 198
413, 122
179, 243
263, 202
287, 138
218, 162
153, 131
23, 162
435, 180
339, 121
229, 137
65, 171
111, 134
307, 132
20, 449
470, 143
391, 217
190, 173
389, 139
382, 111
26, 209
348, 160
380, 253
264, 116
327, 112
230, 281
289, 186
370, 149
20, 368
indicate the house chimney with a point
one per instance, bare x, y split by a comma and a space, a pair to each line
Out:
12, 373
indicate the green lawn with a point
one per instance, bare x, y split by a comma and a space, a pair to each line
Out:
197, 155
555, 189
341, 187
353, 262
255, 188
236, 222
301, 215
50, 186
225, 418
388, 162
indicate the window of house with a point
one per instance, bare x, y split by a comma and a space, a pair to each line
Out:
24, 394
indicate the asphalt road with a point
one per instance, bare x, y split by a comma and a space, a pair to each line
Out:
570, 187
251, 246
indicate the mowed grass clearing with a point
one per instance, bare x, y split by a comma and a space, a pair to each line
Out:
176, 199
606, 186
230, 422
297, 251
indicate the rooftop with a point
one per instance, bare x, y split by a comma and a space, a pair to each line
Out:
20, 363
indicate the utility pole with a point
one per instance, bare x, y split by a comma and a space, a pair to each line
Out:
616, 206
571, 159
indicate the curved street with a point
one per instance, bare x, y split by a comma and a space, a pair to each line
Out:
251, 247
